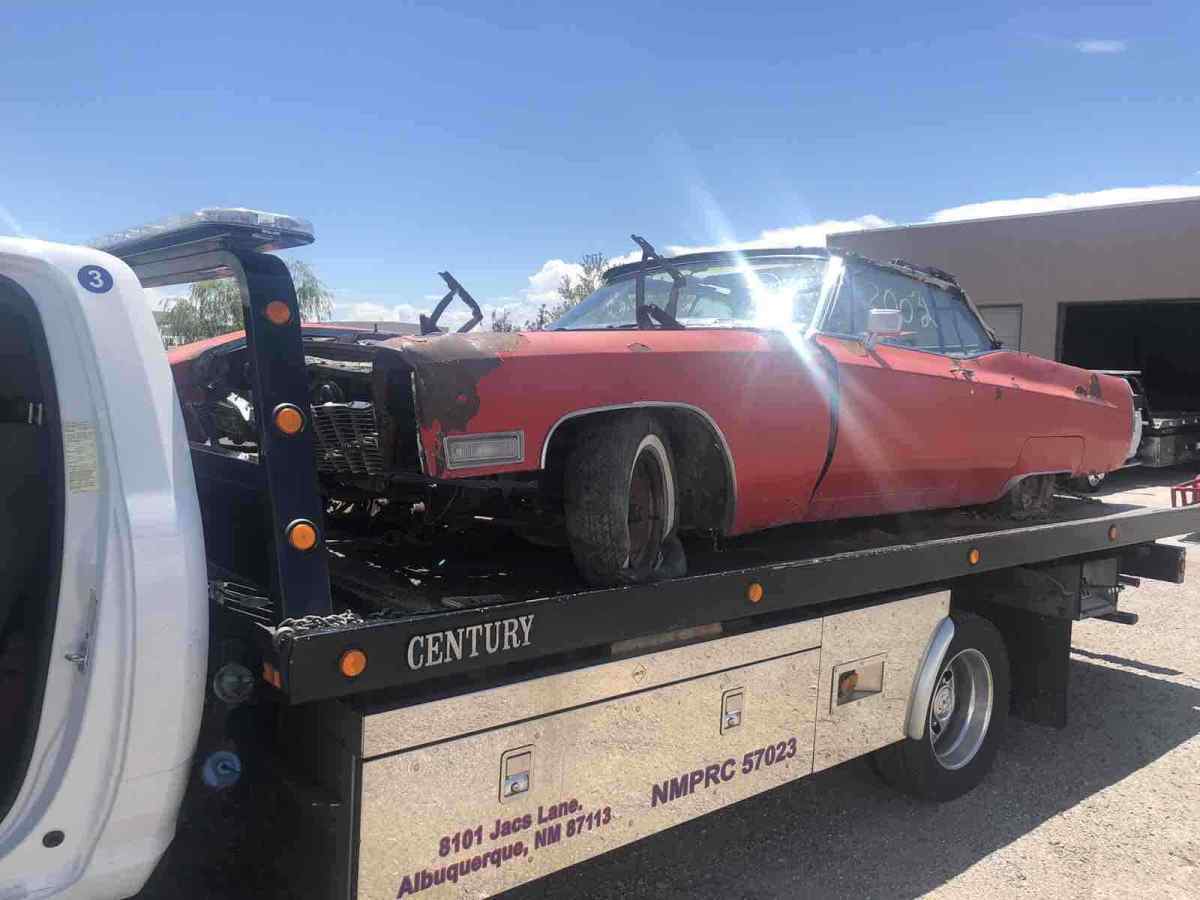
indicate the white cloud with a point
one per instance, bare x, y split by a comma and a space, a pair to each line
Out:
811, 235
374, 312
519, 310
542, 290
408, 313
1095, 45
1052, 202
543, 284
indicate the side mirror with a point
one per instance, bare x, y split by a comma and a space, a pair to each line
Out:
883, 323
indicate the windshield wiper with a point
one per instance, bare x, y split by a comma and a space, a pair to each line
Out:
429, 324
648, 313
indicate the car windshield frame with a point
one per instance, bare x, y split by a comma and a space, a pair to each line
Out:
915, 274
630, 274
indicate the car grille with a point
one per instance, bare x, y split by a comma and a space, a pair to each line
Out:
347, 439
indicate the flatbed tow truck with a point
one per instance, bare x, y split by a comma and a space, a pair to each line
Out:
445, 729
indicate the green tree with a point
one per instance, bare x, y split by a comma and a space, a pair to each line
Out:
502, 321
571, 291
543, 318
215, 307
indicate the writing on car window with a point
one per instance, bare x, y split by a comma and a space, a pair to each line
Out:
933, 319
962, 334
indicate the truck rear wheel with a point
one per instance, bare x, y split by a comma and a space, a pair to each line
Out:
620, 501
964, 722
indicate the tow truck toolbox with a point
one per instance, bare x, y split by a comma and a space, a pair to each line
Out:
476, 731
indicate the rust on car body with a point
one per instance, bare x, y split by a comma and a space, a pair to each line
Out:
448, 369
434, 381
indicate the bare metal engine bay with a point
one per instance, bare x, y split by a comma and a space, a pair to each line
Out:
397, 539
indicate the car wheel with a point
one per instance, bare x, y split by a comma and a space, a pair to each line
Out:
620, 502
964, 722
1030, 498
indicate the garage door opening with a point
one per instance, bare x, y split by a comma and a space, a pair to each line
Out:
31, 510
1160, 339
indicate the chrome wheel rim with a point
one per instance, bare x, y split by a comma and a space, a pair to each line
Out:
647, 515
960, 710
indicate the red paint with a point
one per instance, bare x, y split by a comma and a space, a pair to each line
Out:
920, 430
916, 430
764, 396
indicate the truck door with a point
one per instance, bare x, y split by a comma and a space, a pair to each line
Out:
30, 530
103, 617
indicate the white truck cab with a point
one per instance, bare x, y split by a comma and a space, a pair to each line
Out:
103, 606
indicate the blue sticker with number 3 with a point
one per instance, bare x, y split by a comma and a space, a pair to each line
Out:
95, 279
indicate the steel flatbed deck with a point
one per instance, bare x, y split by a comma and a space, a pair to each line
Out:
795, 573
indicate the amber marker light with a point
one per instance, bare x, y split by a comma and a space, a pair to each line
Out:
302, 535
353, 663
1112, 532
278, 312
974, 556
271, 675
755, 592
288, 419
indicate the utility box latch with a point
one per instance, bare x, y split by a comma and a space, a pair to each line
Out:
516, 773
733, 705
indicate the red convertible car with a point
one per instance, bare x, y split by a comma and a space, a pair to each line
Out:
722, 392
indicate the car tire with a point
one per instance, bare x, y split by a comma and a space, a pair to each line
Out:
1030, 498
620, 500
964, 723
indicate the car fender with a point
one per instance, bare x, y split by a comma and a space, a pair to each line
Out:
713, 427
1054, 455
759, 394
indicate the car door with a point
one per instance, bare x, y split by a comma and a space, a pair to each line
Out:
901, 439
103, 602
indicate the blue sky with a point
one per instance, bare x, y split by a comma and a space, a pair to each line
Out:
502, 141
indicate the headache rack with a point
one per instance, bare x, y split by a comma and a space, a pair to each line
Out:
250, 503
282, 596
